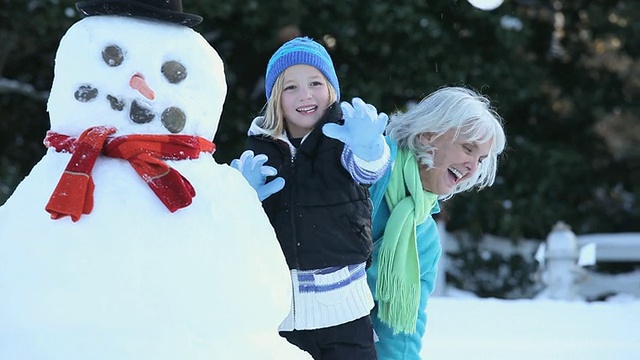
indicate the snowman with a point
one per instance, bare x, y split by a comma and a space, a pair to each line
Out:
127, 240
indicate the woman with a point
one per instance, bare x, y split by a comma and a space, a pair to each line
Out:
447, 144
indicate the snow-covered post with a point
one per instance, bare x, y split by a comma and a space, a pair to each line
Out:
559, 260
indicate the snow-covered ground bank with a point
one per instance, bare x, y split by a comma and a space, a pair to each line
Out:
492, 329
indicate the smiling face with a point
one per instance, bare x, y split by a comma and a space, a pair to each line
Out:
137, 75
454, 160
305, 98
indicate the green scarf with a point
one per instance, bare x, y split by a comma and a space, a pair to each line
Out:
398, 285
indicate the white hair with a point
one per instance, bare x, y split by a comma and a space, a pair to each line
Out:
448, 108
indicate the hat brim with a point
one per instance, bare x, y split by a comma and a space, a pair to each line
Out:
136, 9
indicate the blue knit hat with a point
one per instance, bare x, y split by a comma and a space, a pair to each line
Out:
300, 51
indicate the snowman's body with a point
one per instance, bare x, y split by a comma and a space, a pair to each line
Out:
132, 280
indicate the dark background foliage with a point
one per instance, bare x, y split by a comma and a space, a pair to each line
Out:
563, 74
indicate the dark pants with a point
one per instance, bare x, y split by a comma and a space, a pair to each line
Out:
350, 341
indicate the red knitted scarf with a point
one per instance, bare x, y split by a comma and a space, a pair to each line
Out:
73, 195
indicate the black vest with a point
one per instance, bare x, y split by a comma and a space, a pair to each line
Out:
322, 217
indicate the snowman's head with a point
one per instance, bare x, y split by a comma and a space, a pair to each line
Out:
139, 76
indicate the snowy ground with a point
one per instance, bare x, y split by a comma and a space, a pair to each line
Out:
492, 329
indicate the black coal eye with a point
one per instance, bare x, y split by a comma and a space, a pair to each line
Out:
85, 93
174, 119
112, 55
174, 71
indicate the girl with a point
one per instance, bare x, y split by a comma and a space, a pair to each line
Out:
448, 143
322, 214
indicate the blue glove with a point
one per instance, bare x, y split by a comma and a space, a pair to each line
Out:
255, 172
362, 130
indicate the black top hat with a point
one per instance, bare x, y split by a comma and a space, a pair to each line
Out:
167, 10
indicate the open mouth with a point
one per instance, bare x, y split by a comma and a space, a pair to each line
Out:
457, 175
307, 109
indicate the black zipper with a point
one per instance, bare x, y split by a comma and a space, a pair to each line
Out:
292, 212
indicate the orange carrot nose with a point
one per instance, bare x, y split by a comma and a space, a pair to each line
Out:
137, 82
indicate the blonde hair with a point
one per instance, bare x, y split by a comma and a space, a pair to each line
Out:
448, 108
274, 121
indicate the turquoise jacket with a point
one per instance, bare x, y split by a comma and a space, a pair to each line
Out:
402, 346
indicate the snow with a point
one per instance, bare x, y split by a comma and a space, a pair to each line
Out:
131, 280
82, 61
492, 329
463, 326
486, 5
